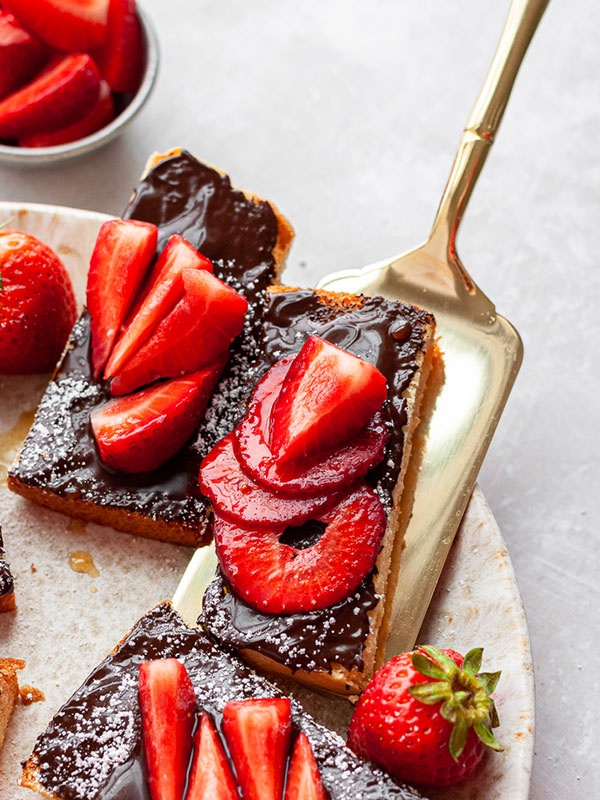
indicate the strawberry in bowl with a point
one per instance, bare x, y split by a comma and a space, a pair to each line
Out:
70, 70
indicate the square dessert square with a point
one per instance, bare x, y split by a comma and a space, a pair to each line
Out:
247, 240
338, 648
92, 748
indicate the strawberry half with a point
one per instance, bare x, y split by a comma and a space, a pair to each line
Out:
168, 706
21, 54
164, 290
304, 780
100, 115
62, 94
123, 252
197, 331
258, 736
211, 777
140, 432
278, 579
327, 396
121, 59
334, 469
239, 498
64, 24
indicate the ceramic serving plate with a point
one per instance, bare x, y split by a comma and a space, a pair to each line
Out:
67, 621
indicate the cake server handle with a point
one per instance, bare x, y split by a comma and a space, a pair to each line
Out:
483, 123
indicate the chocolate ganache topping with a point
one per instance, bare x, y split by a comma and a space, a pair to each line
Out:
180, 195
91, 750
390, 335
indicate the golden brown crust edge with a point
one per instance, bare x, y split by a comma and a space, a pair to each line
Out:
9, 691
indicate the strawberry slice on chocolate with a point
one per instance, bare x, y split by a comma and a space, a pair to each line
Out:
164, 290
327, 396
100, 115
196, 332
64, 24
239, 498
121, 59
141, 431
276, 578
63, 93
21, 54
303, 780
168, 706
123, 253
308, 476
211, 777
258, 737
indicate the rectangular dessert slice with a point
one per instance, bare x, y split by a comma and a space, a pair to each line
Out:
247, 239
7, 585
91, 750
338, 648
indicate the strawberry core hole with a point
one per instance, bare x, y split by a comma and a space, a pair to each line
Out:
303, 536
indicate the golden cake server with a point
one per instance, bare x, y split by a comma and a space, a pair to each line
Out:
482, 354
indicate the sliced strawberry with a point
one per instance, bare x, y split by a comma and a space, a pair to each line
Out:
278, 579
327, 395
164, 290
258, 736
303, 780
21, 54
239, 498
200, 327
140, 432
121, 58
123, 252
309, 476
62, 94
168, 707
100, 115
64, 24
211, 777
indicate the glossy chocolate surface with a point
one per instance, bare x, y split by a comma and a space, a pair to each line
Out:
7, 585
389, 335
91, 750
180, 195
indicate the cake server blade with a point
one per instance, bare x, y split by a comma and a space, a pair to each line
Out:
482, 353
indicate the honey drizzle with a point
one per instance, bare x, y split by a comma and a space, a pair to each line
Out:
11, 441
81, 561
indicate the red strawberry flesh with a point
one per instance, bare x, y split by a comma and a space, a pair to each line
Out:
141, 431
168, 707
98, 117
21, 54
164, 290
303, 779
258, 736
239, 498
37, 305
200, 327
278, 579
122, 255
328, 394
121, 58
211, 777
64, 24
317, 474
60, 95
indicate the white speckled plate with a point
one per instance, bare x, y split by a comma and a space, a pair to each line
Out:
66, 622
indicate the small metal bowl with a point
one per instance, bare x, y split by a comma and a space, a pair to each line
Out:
47, 155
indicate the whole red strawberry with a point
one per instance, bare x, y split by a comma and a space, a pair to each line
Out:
37, 305
426, 716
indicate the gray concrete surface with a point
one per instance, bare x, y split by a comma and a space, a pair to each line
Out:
347, 114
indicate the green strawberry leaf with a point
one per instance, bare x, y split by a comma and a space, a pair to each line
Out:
489, 680
472, 661
486, 736
442, 659
458, 737
427, 667
431, 693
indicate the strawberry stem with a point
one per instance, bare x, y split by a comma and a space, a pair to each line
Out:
463, 692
